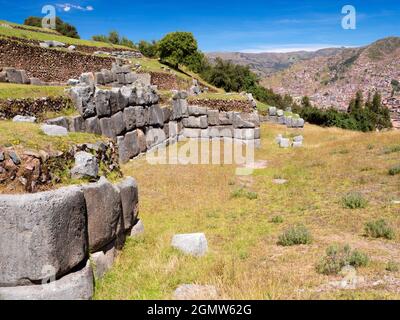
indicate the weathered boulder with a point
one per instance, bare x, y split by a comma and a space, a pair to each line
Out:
104, 209
24, 119
86, 166
192, 244
74, 286
54, 131
41, 230
128, 190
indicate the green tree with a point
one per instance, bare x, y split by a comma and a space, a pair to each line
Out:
148, 49
305, 102
176, 47
62, 27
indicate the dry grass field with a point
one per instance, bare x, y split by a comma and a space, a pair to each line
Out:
244, 260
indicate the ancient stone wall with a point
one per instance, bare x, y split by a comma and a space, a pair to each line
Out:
49, 65
132, 117
50, 236
286, 118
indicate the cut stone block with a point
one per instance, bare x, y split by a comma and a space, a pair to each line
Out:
86, 166
194, 244
54, 131
130, 200
41, 230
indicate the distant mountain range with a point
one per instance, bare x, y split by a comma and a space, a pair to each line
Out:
330, 77
267, 63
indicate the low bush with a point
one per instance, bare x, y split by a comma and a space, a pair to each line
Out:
394, 171
295, 236
392, 266
242, 193
338, 257
379, 229
277, 219
354, 200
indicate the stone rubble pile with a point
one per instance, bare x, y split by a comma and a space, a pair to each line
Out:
124, 55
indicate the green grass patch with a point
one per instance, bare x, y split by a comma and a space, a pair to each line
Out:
379, 229
354, 200
218, 96
38, 36
338, 257
22, 91
392, 149
295, 236
242, 193
277, 219
392, 266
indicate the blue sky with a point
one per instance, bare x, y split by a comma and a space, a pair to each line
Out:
229, 25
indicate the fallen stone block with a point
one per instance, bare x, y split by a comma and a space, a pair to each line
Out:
192, 244
86, 166
39, 231
272, 111
74, 286
24, 119
284, 143
104, 209
298, 139
54, 131
195, 292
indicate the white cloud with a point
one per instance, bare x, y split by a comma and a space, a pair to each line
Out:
67, 7
290, 48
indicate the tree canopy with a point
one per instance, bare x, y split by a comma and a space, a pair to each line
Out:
62, 27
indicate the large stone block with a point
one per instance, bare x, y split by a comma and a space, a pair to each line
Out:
53, 131
141, 141
240, 120
82, 97
192, 244
245, 134
74, 286
60, 121
107, 129
226, 118
130, 118
92, 125
167, 113
86, 166
154, 137
156, 116
118, 101
197, 111
142, 116
130, 199
14, 76
41, 230
213, 117
102, 101
272, 111
103, 260
195, 122
220, 132
123, 152
104, 209
77, 124
118, 123
179, 109
132, 144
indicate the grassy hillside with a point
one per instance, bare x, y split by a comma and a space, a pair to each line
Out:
21, 91
33, 33
245, 261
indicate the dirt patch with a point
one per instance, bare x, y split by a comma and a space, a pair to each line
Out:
49, 65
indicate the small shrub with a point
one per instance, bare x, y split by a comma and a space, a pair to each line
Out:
354, 201
394, 171
338, 257
392, 266
392, 149
242, 193
277, 219
379, 229
295, 236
